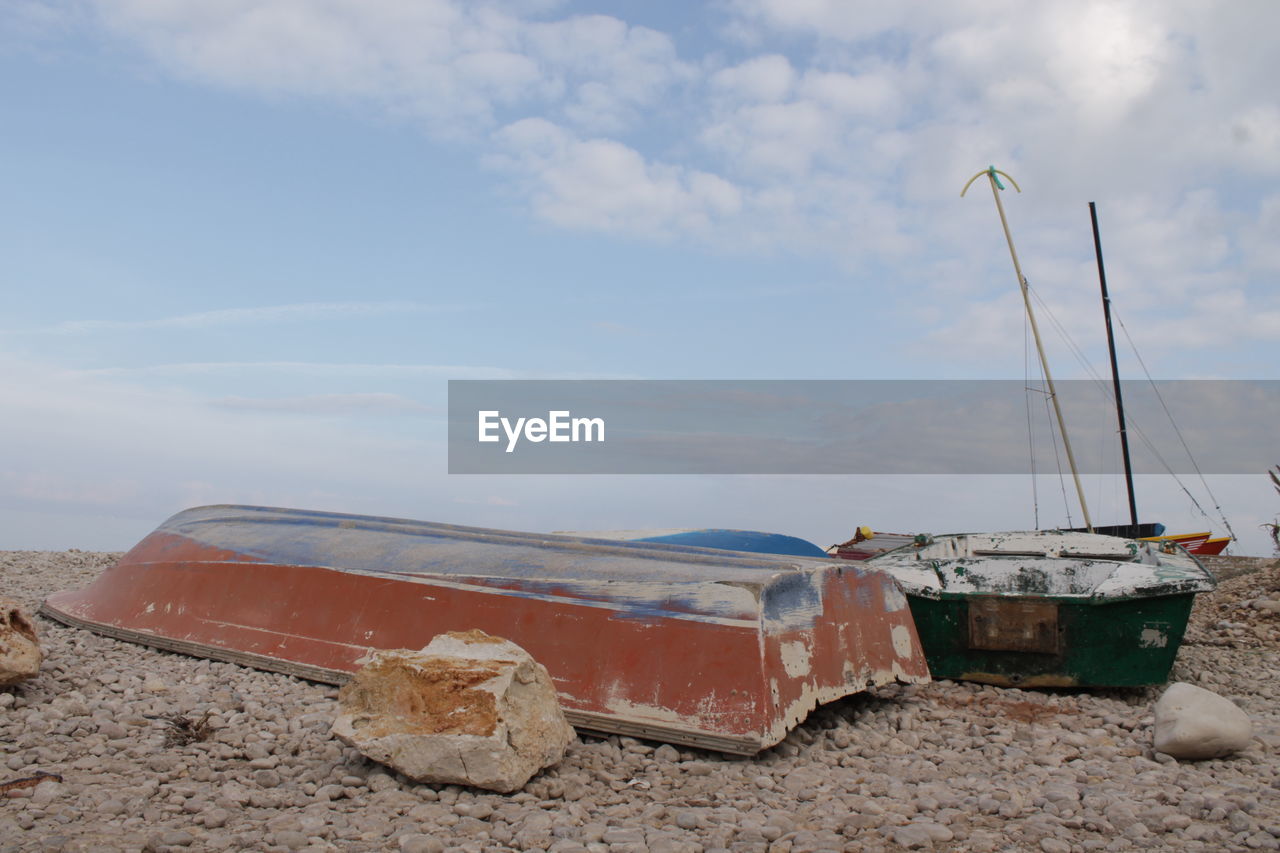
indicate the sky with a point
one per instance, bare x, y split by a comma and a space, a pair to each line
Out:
244, 244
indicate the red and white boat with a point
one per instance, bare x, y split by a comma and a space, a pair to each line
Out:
700, 646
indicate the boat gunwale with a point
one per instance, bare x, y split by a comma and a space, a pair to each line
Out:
907, 557
654, 551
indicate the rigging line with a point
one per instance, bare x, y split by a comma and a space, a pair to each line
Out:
1106, 391
1098, 383
1053, 440
1062, 480
1178, 431
1159, 457
1101, 385
1055, 433
1070, 342
1108, 394
1151, 448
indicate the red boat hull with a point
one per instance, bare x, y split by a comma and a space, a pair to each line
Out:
691, 645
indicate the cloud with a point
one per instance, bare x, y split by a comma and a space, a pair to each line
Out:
601, 184
299, 312
328, 370
767, 79
330, 404
453, 66
835, 131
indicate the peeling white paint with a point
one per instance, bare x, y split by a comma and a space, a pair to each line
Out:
894, 600
649, 713
1050, 563
901, 640
1153, 638
796, 659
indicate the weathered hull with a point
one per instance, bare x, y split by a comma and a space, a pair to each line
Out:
1048, 608
690, 645
1096, 644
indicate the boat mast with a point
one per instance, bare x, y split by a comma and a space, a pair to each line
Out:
992, 173
1115, 372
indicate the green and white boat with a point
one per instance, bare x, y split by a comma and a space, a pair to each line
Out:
1047, 608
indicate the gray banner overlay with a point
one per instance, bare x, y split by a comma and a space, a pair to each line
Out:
855, 426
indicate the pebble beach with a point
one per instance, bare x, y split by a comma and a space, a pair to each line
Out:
157, 751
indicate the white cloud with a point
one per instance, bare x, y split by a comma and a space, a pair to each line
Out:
871, 95
329, 404
454, 66
768, 79
298, 312
1255, 135
605, 69
329, 370
602, 184
452, 371
851, 146
774, 139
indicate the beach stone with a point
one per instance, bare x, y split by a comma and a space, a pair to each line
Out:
1194, 723
20, 652
419, 843
468, 709
914, 836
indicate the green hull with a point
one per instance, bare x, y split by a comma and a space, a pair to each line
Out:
1051, 641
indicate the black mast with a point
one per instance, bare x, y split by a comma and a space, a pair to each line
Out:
1115, 373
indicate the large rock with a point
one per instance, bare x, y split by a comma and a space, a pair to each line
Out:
468, 709
1195, 723
20, 653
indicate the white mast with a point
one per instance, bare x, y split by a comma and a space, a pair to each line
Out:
992, 173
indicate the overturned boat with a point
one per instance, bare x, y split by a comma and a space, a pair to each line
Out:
1048, 608
749, 541
697, 646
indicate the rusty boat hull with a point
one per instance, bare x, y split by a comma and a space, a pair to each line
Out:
1048, 608
697, 646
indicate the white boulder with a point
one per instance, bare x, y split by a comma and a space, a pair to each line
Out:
1194, 723
20, 653
468, 709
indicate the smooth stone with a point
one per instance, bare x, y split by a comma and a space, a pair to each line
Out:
1194, 723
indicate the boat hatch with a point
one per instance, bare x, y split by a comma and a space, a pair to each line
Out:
998, 623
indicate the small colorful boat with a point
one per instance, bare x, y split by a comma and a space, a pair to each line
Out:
1048, 608
1203, 544
867, 543
1190, 541
698, 646
747, 541
1211, 547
